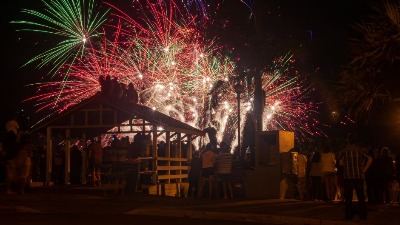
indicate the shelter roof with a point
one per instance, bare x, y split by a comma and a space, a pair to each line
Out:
99, 114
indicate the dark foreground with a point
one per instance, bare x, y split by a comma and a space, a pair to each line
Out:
101, 206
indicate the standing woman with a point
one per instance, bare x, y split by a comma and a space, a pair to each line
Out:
372, 178
339, 182
316, 176
23, 163
328, 165
387, 175
19, 168
95, 161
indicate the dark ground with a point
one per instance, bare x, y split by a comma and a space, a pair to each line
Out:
100, 205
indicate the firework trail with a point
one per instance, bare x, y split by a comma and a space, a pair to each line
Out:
73, 23
199, 5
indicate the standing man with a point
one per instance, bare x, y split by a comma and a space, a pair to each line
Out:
194, 174
224, 170
355, 162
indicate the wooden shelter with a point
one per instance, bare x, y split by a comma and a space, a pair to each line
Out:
100, 115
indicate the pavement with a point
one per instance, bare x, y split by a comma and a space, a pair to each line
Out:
269, 211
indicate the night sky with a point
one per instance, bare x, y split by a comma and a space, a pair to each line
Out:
322, 28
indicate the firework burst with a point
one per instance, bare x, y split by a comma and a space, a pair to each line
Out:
73, 23
288, 104
160, 49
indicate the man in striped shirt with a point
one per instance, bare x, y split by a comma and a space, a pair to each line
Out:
225, 169
355, 162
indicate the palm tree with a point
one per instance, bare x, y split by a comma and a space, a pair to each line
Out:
367, 81
360, 91
379, 44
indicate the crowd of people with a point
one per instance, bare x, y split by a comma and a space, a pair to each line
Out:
111, 87
325, 175
213, 166
96, 156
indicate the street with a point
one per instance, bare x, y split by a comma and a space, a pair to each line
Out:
84, 218
102, 206
63, 208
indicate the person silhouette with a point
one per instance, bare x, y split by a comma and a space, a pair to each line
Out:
12, 125
76, 165
95, 156
194, 175
208, 160
131, 94
102, 80
107, 86
224, 170
353, 158
212, 135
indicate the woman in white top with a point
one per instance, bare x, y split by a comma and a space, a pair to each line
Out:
328, 167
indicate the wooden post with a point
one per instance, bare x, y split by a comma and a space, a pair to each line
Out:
67, 163
179, 145
84, 158
154, 155
154, 147
168, 149
49, 156
189, 154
